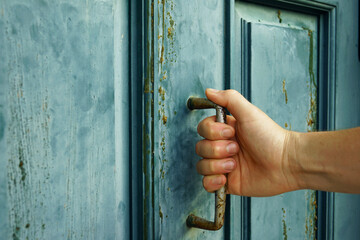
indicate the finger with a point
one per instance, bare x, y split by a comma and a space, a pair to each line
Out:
212, 130
215, 166
216, 149
230, 120
214, 182
238, 106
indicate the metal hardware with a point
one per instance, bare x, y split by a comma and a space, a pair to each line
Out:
220, 195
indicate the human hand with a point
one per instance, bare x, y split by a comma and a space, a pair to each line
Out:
251, 148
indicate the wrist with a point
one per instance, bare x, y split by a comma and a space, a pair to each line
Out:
292, 152
306, 162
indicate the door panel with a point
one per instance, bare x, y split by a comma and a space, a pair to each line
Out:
189, 57
57, 80
281, 51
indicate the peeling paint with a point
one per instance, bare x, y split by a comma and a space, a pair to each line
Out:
162, 93
164, 119
161, 214
162, 144
279, 16
312, 114
284, 91
311, 218
162, 54
284, 224
170, 32
166, 58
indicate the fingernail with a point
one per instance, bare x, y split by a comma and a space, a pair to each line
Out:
226, 133
229, 165
211, 90
217, 181
231, 148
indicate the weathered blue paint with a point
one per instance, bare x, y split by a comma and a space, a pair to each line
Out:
57, 99
279, 53
346, 206
4, 213
76, 161
189, 56
122, 70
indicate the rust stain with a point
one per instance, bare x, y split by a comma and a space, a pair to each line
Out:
21, 165
284, 224
166, 53
164, 77
284, 91
163, 31
161, 214
312, 114
162, 93
311, 119
162, 144
164, 119
279, 16
170, 32
162, 54
311, 218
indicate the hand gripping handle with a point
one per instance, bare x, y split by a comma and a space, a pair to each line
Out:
220, 195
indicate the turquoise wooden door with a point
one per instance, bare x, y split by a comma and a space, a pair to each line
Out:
96, 141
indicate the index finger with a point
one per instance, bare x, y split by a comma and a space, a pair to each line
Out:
212, 130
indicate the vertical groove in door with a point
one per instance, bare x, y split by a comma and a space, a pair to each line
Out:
327, 36
228, 36
245, 56
148, 122
135, 118
238, 210
246, 91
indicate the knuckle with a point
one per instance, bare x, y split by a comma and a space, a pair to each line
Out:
231, 92
201, 124
199, 166
205, 182
212, 132
197, 147
212, 167
199, 128
207, 124
216, 150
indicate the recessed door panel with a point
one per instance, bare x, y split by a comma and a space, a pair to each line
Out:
280, 49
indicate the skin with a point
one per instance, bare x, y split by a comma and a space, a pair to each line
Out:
263, 159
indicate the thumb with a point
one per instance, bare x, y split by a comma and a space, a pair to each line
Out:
237, 105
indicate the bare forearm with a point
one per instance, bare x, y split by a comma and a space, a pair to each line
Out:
328, 161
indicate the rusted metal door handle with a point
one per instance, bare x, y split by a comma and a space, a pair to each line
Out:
220, 195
